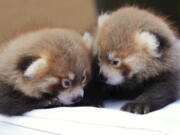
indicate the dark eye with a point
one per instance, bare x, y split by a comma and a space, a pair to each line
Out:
66, 83
115, 62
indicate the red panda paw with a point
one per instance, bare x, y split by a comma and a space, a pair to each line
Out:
54, 102
138, 108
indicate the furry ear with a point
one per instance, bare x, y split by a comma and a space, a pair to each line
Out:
152, 41
30, 65
102, 18
88, 38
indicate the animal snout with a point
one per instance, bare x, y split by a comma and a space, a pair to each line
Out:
77, 99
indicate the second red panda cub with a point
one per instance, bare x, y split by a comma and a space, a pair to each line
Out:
138, 53
41, 68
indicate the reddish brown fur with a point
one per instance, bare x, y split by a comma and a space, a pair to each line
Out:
64, 52
117, 34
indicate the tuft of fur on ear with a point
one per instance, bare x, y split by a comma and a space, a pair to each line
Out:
25, 62
88, 38
102, 18
34, 67
150, 41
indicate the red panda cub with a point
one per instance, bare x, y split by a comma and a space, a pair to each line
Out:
41, 68
138, 53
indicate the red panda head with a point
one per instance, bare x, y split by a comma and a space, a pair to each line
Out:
49, 61
133, 43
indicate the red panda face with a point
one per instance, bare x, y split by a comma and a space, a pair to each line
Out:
69, 88
71, 81
141, 56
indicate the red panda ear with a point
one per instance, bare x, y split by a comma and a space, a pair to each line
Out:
25, 61
151, 42
88, 38
30, 66
102, 18
163, 43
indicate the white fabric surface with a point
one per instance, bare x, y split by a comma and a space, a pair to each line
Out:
93, 121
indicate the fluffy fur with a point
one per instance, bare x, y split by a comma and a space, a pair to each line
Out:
138, 55
46, 67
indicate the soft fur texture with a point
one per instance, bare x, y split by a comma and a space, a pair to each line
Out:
147, 51
38, 67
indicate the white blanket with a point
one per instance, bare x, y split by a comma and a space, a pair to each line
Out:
93, 121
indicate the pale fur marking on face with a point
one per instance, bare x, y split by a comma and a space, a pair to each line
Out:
114, 77
66, 97
51, 80
150, 41
111, 56
102, 18
71, 76
135, 63
32, 70
47, 82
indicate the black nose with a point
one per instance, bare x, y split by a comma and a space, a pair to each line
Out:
77, 99
102, 77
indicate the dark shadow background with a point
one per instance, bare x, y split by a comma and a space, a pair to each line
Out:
170, 8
